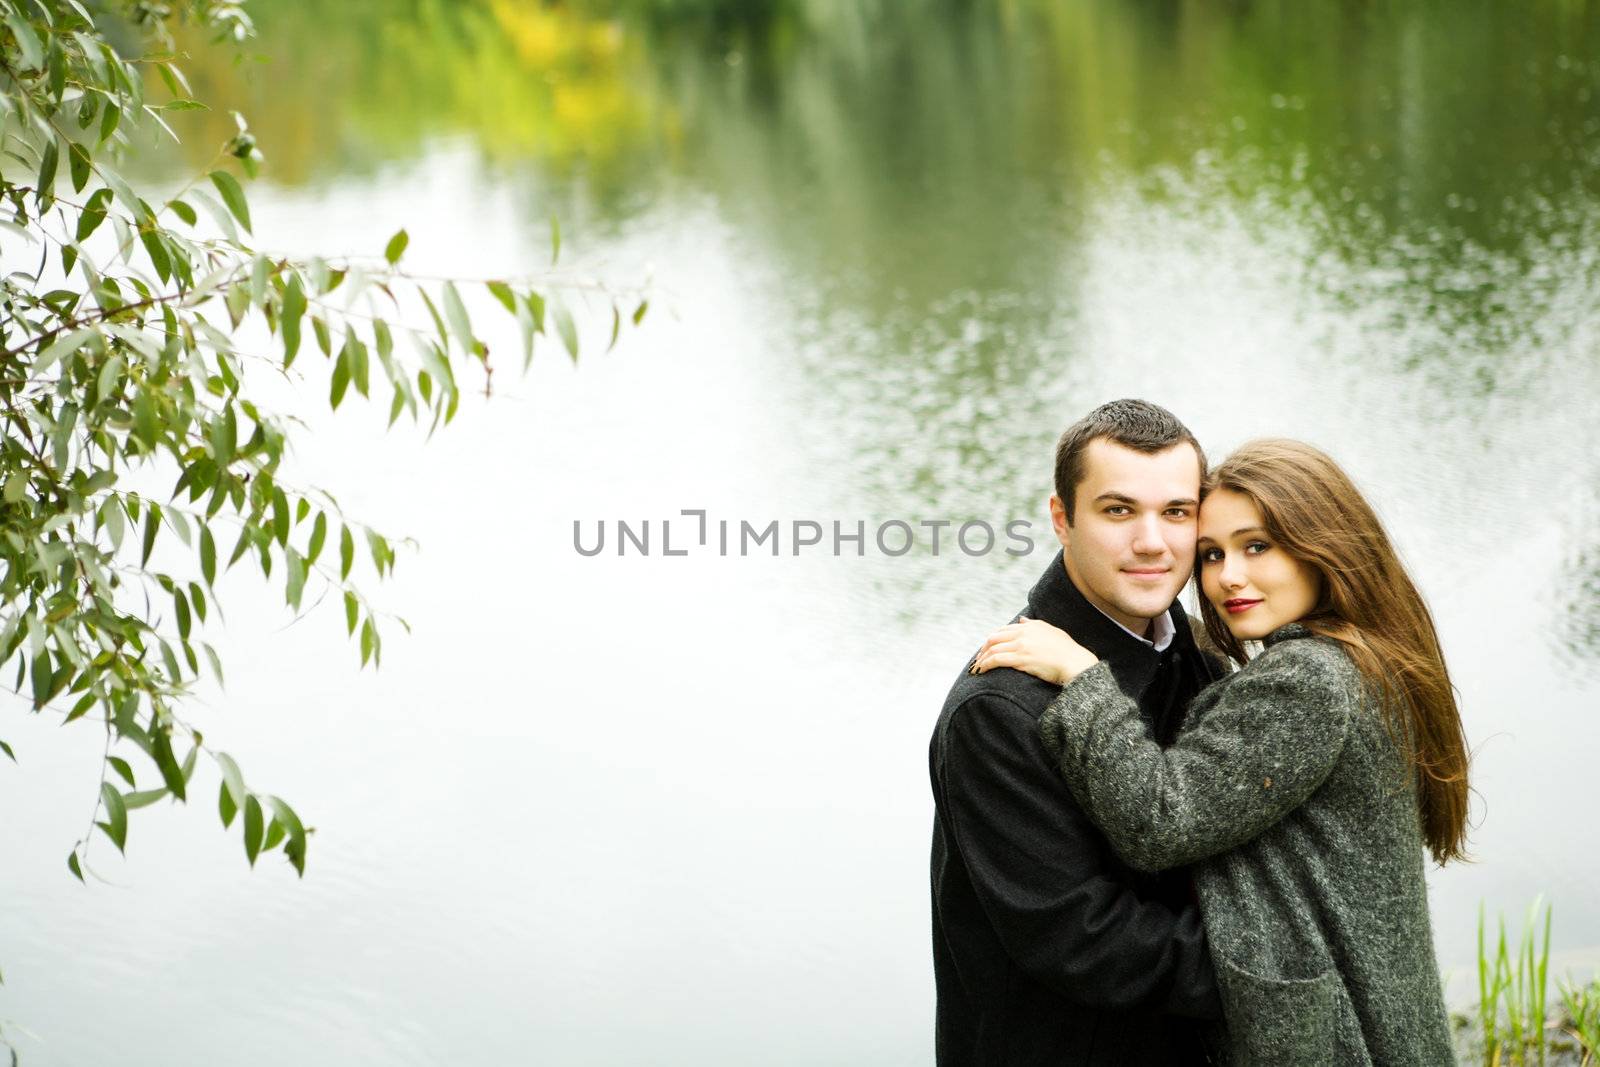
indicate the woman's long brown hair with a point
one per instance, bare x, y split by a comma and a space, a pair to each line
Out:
1369, 605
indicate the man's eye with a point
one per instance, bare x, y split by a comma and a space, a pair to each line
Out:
1119, 510
1177, 513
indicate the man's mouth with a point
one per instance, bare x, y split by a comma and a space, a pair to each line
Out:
1147, 574
1238, 604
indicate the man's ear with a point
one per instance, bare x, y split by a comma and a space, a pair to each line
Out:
1058, 520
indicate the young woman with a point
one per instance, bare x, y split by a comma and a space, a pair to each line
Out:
1305, 786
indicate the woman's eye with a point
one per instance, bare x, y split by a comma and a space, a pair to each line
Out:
1210, 555
1255, 548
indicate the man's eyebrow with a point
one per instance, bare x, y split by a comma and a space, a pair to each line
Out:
1122, 498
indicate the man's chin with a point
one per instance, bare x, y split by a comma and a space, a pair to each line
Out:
1149, 603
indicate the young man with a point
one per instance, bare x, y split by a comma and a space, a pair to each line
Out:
1047, 948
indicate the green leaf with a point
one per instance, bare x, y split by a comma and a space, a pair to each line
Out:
396, 247
145, 421
296, 848
280, 515
110, 377
555, 239
32, 55
233, 196
120, 765
208, 555
319, 534
16, 487
143, 799
116, 825
72, 865
157, 253
180, 607
152, 524
109, 117
352, 611
184, 211
253, 827
295, 583
216, 663
225, 805
165, 760
94, 213
568, 330
78, 165
341, 377
57, 63
258, 280
525, 324
111, 519
294, 306
347, 552
47, 169
358, 362
232, 780
456, 312
502, 292
61, 348
7, 750
638, 312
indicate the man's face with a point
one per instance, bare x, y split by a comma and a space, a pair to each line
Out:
1130, 547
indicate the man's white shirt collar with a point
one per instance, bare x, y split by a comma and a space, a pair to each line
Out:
1161, 629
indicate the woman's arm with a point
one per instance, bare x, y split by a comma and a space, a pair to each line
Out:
1258, 753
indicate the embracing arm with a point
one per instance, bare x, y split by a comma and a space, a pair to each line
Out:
1267, 743
1041, 873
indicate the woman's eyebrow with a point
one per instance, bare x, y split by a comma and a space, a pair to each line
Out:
1236, 533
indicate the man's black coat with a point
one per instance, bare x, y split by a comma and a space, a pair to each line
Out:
1047, 949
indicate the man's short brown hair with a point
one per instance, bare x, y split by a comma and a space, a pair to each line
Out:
1135, 424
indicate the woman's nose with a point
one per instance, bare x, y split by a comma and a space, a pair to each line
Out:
1232, 576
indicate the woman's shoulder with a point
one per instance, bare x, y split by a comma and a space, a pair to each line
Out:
1296, 658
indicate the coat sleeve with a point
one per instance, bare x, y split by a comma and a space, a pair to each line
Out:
1041, 872
1265, 745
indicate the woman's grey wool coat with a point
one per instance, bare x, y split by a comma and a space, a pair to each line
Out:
1289, 798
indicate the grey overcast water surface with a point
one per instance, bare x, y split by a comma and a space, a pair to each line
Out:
675, 810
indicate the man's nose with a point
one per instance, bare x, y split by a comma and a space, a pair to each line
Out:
1147, 539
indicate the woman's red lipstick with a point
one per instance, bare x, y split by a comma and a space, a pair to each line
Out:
1239, 604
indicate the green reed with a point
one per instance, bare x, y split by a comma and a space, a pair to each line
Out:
1513, 992
1583, 1017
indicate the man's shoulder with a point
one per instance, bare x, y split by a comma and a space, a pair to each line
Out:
1001, 684
1003, 696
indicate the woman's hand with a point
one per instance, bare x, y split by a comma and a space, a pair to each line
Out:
1042, 650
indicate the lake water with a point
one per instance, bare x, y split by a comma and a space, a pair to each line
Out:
653, 809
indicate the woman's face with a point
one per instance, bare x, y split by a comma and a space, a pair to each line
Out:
1255, 585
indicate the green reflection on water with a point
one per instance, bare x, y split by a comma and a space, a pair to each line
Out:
1424, 117
926, 176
